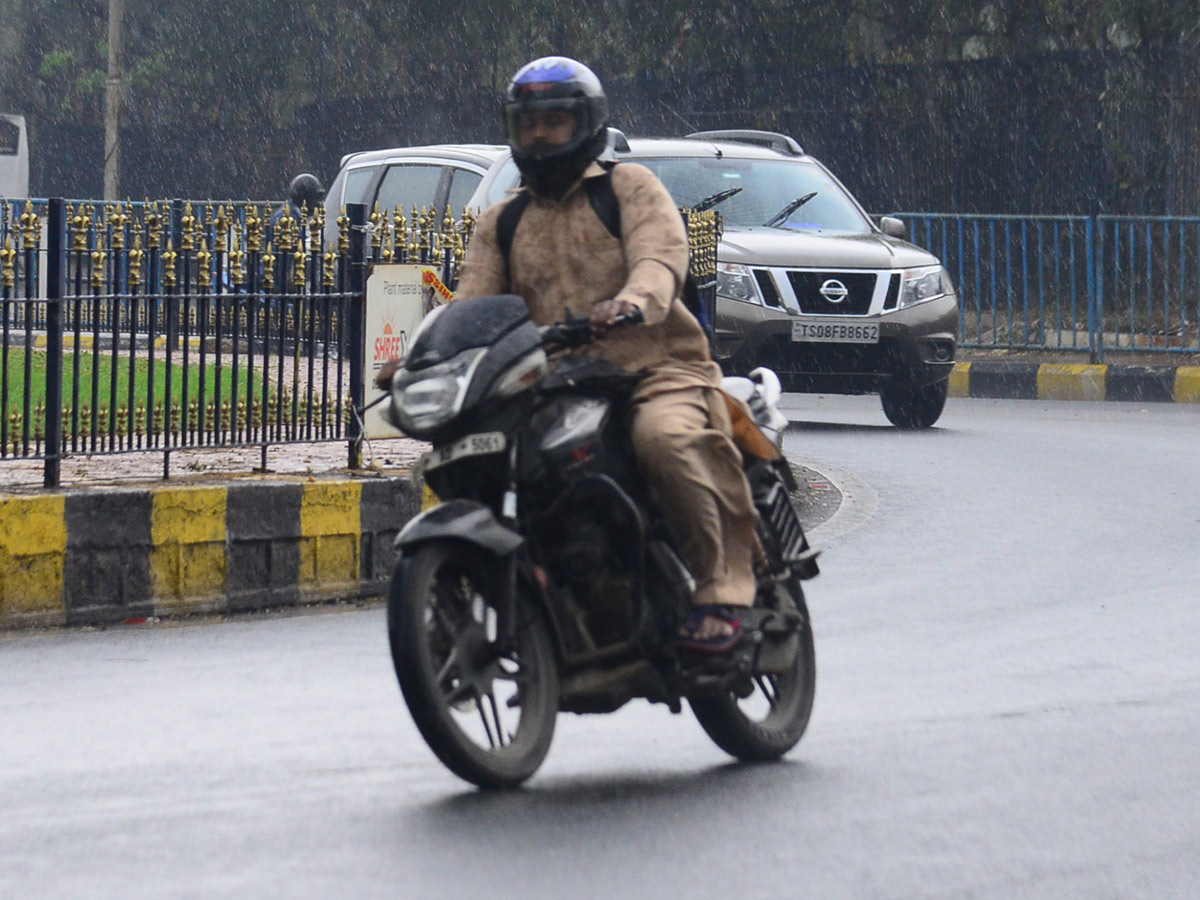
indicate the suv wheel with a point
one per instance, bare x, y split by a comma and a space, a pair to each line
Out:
908, 406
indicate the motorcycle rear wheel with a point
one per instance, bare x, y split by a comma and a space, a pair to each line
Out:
770, 721
487, 712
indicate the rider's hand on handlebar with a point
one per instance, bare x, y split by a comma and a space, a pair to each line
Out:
604, 314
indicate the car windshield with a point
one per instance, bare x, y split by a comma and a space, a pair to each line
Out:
768, 187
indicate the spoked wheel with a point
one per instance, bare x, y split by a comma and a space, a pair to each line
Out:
486, 710
772, 719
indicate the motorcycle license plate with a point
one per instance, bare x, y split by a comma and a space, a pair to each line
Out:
835, 331
471, 445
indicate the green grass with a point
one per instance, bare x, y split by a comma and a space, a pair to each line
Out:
90, 365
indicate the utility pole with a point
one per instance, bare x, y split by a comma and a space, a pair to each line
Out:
112, 103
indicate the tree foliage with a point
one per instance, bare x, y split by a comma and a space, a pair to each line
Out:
231, 70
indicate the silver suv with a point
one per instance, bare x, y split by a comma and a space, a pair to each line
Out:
431, 177
808, 284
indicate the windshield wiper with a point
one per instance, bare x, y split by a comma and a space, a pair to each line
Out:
783, 214
713, 199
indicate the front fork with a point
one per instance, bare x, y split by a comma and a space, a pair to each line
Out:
510, 563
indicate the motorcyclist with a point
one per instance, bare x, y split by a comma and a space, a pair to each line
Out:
563, 260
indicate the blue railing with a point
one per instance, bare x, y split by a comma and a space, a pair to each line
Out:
1075, 283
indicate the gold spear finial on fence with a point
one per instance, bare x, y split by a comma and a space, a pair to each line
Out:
316, 226
268, 263
188, 226
385, 238
117, 220
98, 257
423, 233
399, 231
299, 275
8, 259
254, 229
79, 229
31, 227
330, 267
468, 225
284, 233
221, 223
236, 256
169, 258
154, 227
343, 224
204, 266
376, 235
135, 261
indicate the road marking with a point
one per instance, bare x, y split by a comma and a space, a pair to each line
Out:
858, 506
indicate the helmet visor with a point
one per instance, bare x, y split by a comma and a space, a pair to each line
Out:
543, 129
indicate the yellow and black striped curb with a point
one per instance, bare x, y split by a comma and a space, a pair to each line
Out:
1054, 381
117, 554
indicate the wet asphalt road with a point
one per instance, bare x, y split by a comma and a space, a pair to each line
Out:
1008, 706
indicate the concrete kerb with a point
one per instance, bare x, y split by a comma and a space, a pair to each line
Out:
996, 379
118, 554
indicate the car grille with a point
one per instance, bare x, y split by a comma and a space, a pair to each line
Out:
859, 288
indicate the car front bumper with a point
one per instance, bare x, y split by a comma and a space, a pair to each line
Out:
916, 346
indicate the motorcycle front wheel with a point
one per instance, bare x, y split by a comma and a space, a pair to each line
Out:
485, 706
771, 720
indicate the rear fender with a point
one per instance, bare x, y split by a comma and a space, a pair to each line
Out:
463, 520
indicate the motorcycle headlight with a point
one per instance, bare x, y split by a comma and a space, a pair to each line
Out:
737, 283
925, 283
429, 398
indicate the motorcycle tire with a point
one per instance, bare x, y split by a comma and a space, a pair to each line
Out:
770, 721
488, 713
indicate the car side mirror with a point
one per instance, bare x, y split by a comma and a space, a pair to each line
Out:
893, 227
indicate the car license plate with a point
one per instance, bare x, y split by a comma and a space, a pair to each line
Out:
835, 331
471, 445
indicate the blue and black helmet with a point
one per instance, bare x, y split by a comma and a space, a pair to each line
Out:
556, 82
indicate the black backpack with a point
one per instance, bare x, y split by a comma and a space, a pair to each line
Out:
604, 202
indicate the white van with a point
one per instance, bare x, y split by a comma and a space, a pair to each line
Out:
14, 157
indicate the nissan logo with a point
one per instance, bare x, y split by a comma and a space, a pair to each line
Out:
834, 291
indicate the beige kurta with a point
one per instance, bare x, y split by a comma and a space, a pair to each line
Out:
564, 260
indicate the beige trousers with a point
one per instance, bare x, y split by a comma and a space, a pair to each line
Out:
682, 441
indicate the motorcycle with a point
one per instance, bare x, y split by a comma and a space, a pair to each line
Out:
547, 580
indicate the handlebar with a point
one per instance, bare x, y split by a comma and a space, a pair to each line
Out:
577, 330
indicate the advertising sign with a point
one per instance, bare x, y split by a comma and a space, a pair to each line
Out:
398, 298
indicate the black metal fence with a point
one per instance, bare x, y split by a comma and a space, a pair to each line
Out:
185, 325
173, 325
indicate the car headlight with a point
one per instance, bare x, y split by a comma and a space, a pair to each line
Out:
737, 283
925, 283
428, 398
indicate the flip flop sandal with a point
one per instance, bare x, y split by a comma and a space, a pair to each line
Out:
689, 635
